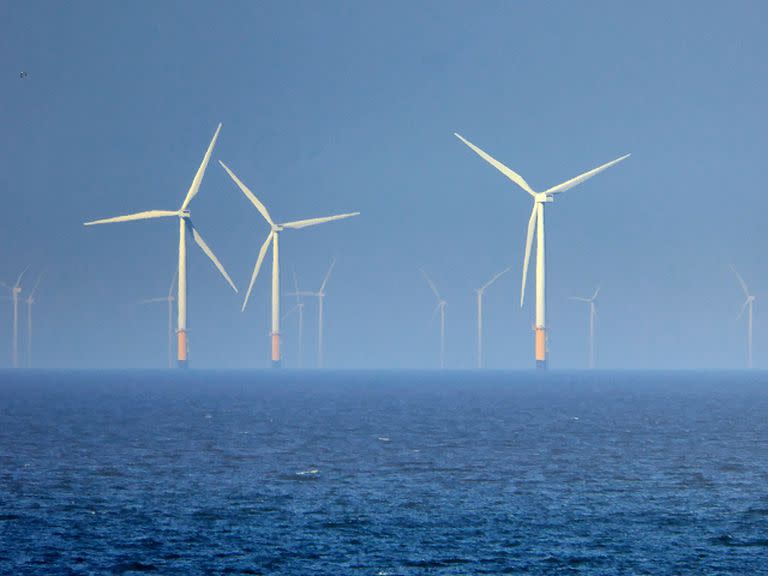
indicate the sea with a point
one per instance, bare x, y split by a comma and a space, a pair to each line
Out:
383, 472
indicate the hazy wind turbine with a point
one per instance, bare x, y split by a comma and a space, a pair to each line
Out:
536, 222
592, 313
750, 299
30, 300
169, 299
300, 308
15, 291
272, 238
441, 303
480, 292
185, 227
320, 295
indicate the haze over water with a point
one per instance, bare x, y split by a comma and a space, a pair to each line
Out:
383, 473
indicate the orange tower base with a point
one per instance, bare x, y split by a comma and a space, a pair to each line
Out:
183, 362
541, 348
276, 350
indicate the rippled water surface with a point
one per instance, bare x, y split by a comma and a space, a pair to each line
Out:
383, 473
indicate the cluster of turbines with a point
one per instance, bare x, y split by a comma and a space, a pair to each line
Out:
15, 291
187, 228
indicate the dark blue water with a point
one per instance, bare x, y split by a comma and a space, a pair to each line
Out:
383, 473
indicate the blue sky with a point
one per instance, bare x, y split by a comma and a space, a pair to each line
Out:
333, 107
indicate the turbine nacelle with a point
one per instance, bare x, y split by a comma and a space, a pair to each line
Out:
277, 228
543, 197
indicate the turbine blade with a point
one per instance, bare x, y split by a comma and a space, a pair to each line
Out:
153, 300
248, 194
594, 296
137, 216
18, 280
208, 252
743, 307
432, 285
259, 260
586, 176
496, 277
508, 172
37, 283
304, 293
173, 282
528, 243
741, 281
580, 299
195, 186
315, 221
296, 286
327, 275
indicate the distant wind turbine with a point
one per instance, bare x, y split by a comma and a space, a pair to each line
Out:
441, 304
320, 295
15, 292
750, 300
30, 300
536, 223
480, 292
272, 238
300, 308
592, 312
185, 227
169, 299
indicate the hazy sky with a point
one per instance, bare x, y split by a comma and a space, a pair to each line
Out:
339, 106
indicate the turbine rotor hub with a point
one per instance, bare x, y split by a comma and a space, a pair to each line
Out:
542, 197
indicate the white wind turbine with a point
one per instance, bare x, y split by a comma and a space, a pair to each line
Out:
480, 293
592, 313
441, 304
300, 308
750, 299
320, 295
536, 222
272, 238
30, 300
15, 292
169, 299
185, 227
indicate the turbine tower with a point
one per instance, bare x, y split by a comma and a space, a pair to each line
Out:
441, 304
30, 300
185, 227
273, 238
536, 223
480, 292
592, 313
300, 308
750, 299
320, 295
169, 299
15, 292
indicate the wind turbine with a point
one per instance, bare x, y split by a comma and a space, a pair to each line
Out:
30, 300
592, 313
300, 308
169, 299
320, 295
185, 227
441, 303
273, 238
750, 299
480, 292
536, 222
15, 291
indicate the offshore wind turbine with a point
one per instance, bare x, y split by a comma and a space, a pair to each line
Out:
169, 299
480, 293
185, 227
300, 308
441, 304
320, 295
30, 300
272, 238
750, 299
536, 223
15, 292
592, 314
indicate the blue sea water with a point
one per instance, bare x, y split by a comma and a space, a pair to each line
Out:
383, 473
